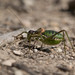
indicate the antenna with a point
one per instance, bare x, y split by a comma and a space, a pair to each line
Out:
13, 12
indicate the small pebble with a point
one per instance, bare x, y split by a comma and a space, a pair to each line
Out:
67, 56
52, 56
56, 57
29, 3
71, 58
59, 50
12, 47
19, 53
60, 57
24, 35
8, 62
31, 51
38, 46
65, 68
35, 50
73, 54
18, 72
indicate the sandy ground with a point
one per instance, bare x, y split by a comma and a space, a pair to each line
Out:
17, 57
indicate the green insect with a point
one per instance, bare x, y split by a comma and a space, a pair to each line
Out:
48, 37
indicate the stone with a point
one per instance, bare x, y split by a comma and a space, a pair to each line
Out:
18, 72
8, 62
19, 53
59, 50
35, 50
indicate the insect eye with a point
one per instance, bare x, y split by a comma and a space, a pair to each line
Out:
31, 32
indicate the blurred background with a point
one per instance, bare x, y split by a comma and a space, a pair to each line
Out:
49, 14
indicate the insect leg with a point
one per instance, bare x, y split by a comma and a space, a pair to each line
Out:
37, 37
69, 40
73, 41
67, 37
23, 32
20, 35
64, 42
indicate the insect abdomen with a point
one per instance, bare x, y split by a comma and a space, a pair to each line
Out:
49, 33
50, 42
